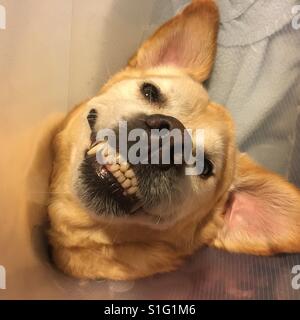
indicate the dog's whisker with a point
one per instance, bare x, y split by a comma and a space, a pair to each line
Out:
158, 220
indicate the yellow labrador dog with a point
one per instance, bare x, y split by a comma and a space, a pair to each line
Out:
123, 220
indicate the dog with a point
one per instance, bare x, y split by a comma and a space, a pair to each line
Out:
126, 221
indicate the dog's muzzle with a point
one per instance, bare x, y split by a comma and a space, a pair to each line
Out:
110, 183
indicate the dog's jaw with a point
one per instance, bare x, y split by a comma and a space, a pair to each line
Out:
90, 248
138, 190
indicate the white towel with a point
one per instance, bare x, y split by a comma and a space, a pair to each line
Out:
257, 77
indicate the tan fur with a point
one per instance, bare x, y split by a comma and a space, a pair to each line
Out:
88, 247
199, 22
282, 196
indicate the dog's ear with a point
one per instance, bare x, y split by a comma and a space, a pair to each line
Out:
262, 215
187, 41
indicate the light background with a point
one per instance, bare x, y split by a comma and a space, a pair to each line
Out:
53, 55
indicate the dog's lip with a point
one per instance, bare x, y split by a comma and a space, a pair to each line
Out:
94, 143
94, 148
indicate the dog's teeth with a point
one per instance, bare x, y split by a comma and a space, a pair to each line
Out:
113, 167
129, 173
124, 167
126, 184
119, 168
132, 190
117, 173
121, 179
134, 182
95, 149
121, 159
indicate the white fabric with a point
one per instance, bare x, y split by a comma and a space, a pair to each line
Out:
257, 77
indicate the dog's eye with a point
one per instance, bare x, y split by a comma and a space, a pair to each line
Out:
151, 92
92, 117
207, 170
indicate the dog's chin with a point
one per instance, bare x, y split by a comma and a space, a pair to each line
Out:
141, 217
105, 196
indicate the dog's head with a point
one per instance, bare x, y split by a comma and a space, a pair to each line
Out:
161, 88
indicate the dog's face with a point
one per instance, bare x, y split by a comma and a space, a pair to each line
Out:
152, 193
107, 208
153, 93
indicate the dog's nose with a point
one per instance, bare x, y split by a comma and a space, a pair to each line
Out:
175, 147
160, 121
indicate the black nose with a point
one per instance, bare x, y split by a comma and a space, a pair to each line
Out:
160, 121
92, 118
